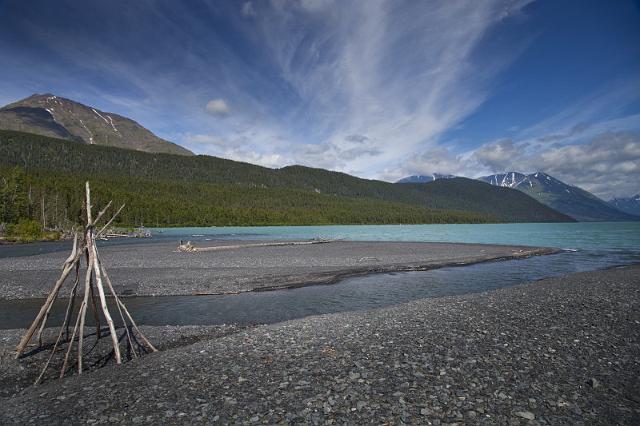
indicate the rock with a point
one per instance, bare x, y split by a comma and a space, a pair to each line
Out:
594, 383
526, 415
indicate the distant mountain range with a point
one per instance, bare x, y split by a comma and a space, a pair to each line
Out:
424, 178
50, 115
570, 200
629, 205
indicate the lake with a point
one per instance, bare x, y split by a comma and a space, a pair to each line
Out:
589, 246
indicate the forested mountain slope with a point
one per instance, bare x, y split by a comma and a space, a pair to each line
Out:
173, 187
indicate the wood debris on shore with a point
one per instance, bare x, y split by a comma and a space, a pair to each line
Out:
188, 247
95, 280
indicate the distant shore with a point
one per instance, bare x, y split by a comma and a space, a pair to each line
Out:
558, 351
159, 269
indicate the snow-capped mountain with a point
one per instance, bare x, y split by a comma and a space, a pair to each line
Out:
54, 116
424, 178
629, 205
567, 199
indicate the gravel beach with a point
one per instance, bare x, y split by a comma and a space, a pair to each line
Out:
557, 351
159, 269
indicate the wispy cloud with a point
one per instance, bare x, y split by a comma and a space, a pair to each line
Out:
399, 75
367, 87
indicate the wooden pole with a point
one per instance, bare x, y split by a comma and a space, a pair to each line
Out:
124, 308
104, 228
103, 301
82, 314
87, 280
45, 307
124, 321
68, 262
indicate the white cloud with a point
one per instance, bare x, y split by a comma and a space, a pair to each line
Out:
497, 155
217, 107
609, 165
432, 160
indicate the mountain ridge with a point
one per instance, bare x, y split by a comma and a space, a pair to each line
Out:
630, 205
55, 116
570, 200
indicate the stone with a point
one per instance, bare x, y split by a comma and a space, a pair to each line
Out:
526, 415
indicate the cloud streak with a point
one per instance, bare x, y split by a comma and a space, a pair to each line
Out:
399, 76
372, 88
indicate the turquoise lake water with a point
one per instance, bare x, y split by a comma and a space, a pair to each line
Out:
581, 235
600, 236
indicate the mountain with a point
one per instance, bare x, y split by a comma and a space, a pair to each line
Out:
630, 205
424, 178
53, 116
505, 203
179, 190
570, 200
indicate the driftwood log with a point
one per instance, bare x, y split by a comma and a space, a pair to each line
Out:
188, 247
94, 282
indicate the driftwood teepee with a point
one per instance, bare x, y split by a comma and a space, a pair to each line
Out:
95, 278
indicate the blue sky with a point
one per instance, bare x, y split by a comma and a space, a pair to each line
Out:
377, 88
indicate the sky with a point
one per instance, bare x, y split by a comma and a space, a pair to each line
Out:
380, 89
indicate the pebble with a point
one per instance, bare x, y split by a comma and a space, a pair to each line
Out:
526, 415
370, 377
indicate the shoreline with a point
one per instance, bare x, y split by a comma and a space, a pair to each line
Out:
157, 269
559, 350
335, 278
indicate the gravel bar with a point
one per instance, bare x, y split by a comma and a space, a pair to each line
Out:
557, 351
159, 269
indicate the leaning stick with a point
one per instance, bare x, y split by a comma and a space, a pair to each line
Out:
88, 207
71, 257
124, 308
73, 336
52, 295
124, 322
144, 339
82, 313
72, 297
102, 212
104, 228
67, 262
64, 325
88, 238
96, 314
103, 301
